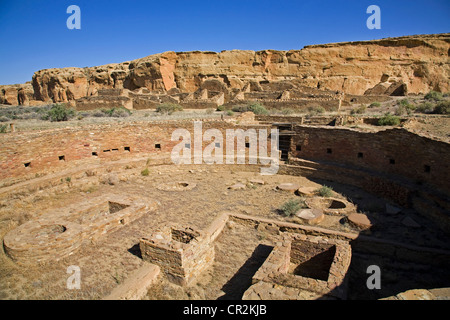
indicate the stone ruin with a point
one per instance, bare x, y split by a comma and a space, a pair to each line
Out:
184, 253
58, 233
181, 252
272, 94
311, 266
317, 266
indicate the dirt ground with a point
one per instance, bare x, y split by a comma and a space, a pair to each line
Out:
240, 250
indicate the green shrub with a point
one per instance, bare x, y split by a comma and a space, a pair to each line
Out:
442, 108
115, 112
360, 110
230, 113
221, 108
433, 95
59, 112
145, 172
290, 207
325, 191
315, 110
3, 128
404, 109
256, 108
403, 102
239, 108
287, 111
168, 108
375, 105
389, 120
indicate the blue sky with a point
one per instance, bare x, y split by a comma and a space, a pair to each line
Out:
34, 35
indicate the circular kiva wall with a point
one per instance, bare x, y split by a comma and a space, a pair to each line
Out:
409, 169
58, 233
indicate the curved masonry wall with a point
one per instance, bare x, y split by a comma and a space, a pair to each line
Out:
409, 169
412, 170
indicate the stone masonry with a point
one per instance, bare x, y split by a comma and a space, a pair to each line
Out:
181, 252
60, 232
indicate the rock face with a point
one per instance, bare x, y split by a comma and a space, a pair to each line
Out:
392, 66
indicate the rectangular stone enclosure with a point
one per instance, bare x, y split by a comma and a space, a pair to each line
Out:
182, 253
308, 263
311, 260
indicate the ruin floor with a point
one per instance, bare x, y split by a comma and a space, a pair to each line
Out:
240, 249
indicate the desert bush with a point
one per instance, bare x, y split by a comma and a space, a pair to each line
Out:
433, 95
145, 172
315, 110
4, 119
115, 112
287, 111
403, 102
389, 120
168, 108
375, 104
402, 110
360, 110
230, 113
442, 108
404, 107
221, 108
426, 107
290, 207
59, 112
3, 128
256, 108
325, 191
239, 109
120, 112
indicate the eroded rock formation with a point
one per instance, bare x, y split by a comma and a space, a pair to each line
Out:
392, 66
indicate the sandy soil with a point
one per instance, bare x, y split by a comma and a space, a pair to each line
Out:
107, 262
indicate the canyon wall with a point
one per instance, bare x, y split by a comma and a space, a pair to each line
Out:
411, 64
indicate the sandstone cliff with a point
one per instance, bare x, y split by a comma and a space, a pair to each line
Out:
412, 64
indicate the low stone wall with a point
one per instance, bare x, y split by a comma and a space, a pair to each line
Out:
298, 262
57, 233
99, 102
137, 284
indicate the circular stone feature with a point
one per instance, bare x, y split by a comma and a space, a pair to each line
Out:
310, 216
290, 187
359, 221
306, 191
50, 231
331, 206
39, 241
177, 186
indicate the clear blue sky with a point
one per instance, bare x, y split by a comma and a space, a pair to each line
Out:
34, 35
